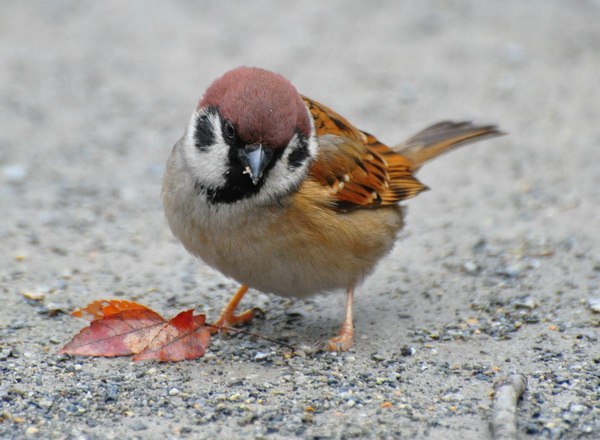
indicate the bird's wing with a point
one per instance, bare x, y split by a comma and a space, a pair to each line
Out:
360, 171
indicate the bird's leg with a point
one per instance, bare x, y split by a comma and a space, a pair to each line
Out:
345, 338
228, 317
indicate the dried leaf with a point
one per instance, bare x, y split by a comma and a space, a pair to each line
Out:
183, 337
99, 309
120, 328
117, 334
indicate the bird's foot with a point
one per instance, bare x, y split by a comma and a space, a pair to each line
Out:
345, 339
229, 319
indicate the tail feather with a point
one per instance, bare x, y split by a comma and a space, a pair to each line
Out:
442, 137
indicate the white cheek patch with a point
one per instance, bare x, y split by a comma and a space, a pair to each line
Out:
209, 166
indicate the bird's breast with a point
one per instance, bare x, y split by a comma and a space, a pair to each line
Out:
293, 250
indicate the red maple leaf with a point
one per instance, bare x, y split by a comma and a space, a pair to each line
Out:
121, 328
183, 337
119, 334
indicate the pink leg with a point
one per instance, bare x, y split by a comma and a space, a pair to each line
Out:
345, 338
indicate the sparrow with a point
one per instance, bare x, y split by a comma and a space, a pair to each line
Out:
284, 195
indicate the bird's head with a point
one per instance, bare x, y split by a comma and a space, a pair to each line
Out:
251, 135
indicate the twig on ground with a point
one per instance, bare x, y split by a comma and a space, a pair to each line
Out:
504, 408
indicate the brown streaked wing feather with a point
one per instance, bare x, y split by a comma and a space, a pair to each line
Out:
361, 171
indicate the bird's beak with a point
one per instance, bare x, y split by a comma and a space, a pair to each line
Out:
255, 159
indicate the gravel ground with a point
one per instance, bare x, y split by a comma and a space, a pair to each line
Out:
497, 271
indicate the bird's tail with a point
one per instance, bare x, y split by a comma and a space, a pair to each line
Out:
442, 137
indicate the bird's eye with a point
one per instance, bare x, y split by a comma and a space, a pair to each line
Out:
228, 130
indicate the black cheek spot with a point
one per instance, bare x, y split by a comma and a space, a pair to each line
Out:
204, 136
300, 153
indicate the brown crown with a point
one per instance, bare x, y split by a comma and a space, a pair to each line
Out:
263, 106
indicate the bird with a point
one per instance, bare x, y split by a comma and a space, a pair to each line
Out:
285, 196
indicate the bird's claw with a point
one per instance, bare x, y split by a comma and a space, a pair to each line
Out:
228, 320
344, 340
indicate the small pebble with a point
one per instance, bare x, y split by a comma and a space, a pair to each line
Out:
512, 270
407, 351
247, 419
577, 408
452, 397
471, 267
308, 417
525, 303
31, 431
377, 357
300, 379
34, 295
594, 304
261, 356
235, 381
45, 403
5, 353
174, 392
